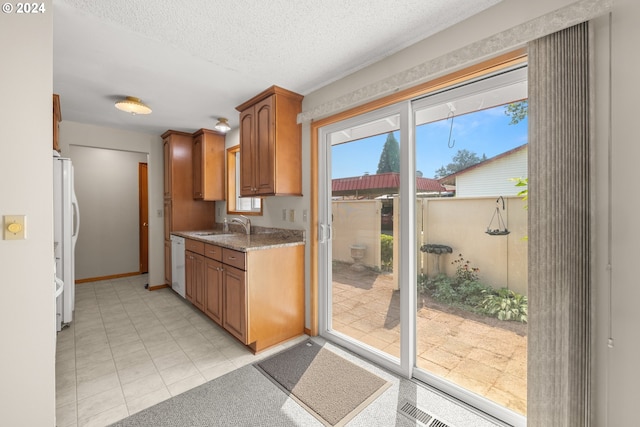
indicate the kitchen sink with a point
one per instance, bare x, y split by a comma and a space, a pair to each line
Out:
214, 233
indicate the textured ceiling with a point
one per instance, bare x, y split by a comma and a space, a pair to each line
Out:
194, 60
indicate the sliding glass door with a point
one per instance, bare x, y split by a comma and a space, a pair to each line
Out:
423, 240
362, 183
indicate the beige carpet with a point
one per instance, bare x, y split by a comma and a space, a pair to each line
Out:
329, 386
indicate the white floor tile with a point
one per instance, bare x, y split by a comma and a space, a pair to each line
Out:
140, 403
142, 386
97, 385
168, 360
186, 384
218, 370
136, 371
125, 360
178, 372
105, 418
100, 402
67, 415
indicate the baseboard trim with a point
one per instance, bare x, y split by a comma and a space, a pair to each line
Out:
113, 276
155, 288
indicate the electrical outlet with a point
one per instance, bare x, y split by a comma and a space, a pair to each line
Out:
284, 214
292, 215
304, 215
159, 212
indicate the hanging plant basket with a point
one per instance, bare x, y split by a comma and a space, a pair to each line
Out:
501, 229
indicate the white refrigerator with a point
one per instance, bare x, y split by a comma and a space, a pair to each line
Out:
65, 234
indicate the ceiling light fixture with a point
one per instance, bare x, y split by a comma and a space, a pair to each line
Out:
222, 125
133, 105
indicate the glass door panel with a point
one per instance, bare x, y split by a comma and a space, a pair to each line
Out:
471, 229
364, 300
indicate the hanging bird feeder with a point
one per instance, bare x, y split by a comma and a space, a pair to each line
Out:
501, 229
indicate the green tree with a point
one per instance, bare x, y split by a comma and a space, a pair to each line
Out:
462, 160
517, 111
390, 156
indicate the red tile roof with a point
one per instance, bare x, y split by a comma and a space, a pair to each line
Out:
382, 183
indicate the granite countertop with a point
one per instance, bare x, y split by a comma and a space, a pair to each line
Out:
260, 238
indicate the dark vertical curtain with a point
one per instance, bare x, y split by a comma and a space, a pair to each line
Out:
559, 338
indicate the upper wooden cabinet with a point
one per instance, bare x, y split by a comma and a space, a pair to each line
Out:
185, 213
208, 165
271, 144
181, 211
57, 118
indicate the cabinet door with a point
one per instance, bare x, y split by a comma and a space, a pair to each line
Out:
247, 153
235, 303
198, 152
168, 227
213, 290
264, 147
189, 275
198, 283
194, 278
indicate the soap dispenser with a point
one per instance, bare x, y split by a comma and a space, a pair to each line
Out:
225, 225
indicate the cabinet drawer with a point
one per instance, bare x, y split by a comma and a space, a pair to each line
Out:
194, 246
213, 252
234, 258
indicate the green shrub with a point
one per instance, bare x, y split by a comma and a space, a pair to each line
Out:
468, 294
506, 304
386, 252
472, 293
465, 291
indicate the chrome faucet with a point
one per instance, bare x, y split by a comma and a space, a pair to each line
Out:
245, 222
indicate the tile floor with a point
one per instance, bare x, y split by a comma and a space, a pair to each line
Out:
489, 361
130, 348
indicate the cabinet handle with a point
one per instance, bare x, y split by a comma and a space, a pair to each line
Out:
232, 257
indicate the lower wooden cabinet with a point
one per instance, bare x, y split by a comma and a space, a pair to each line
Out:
256, 296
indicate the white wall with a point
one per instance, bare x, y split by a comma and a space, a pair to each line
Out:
495, 178
106, 185
27, 382
619, 375
94, 226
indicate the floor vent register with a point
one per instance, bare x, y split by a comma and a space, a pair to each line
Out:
411, 411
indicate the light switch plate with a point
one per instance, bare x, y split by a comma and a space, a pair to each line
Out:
14, 227
292, 215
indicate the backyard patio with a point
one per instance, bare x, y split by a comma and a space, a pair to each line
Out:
484, 355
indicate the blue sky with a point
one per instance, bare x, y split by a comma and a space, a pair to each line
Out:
483, 132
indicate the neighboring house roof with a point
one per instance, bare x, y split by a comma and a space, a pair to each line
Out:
451, 179
382, 183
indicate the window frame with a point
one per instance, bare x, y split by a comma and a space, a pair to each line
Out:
232, 186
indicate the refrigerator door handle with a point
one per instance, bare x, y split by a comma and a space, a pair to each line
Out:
76, 222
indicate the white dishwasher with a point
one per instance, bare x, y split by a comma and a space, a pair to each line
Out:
177, 264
